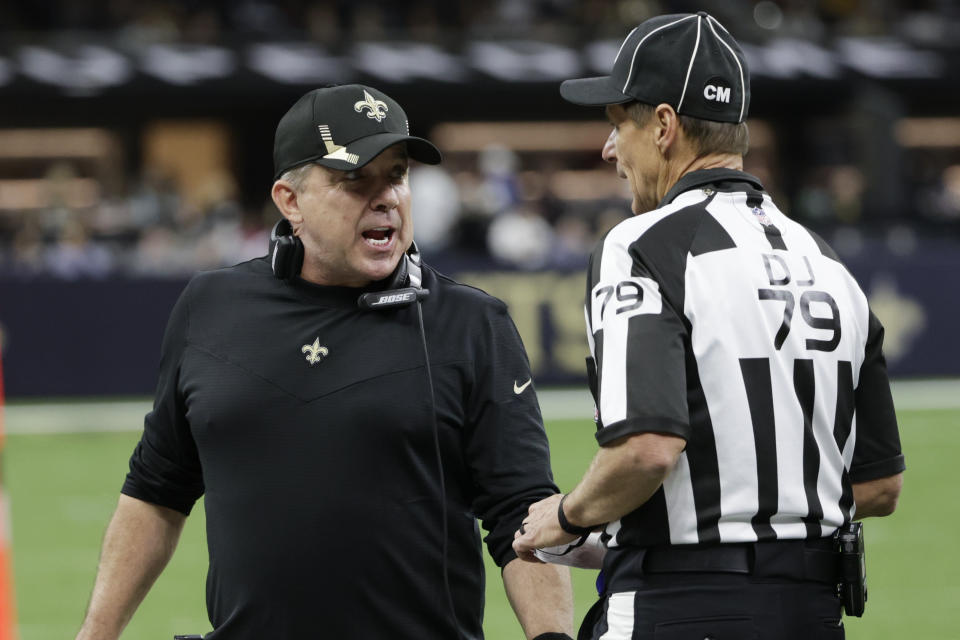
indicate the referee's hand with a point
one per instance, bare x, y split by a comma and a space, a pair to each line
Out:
541, 528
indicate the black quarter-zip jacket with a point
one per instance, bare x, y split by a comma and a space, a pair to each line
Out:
306, 422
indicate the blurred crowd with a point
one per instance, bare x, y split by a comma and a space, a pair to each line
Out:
480, 209
494, 207
342, 21
151, 229
522, 210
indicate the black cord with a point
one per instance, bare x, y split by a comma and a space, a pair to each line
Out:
443, 484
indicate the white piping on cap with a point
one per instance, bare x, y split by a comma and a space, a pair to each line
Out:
693, 56
743, 86
642, 40
718, 24
623, 44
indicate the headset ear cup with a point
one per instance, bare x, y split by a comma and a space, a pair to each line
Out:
399, 278
414, 270
408, 272
287, 259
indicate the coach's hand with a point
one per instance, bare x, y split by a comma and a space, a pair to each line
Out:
541, 528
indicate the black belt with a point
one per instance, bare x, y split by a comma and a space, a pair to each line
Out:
815, 560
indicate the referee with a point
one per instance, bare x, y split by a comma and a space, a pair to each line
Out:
744, 410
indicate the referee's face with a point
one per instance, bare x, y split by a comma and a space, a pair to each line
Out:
355, 225
631, 147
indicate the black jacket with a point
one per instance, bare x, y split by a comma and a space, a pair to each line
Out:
306, 422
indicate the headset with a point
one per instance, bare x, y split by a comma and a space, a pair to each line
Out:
403, 287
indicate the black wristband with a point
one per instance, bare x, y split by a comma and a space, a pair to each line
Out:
553, 635
565, 524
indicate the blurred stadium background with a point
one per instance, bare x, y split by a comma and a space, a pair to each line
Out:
135, 149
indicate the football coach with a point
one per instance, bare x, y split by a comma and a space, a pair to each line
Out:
347, 412
744, 412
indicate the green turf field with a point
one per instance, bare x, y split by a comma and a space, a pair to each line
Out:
64, 487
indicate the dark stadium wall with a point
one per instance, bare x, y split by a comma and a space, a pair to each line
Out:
81, 338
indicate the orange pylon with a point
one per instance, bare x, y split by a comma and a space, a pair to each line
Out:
7, 612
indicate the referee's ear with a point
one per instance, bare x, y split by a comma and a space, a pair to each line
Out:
667, 129
284, 196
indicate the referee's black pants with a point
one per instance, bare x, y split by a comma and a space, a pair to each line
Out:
765, 591
720, 607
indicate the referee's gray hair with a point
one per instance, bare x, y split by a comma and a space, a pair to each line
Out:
708, 136
297, 176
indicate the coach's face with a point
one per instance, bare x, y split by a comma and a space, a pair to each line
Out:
355, 225
638, 160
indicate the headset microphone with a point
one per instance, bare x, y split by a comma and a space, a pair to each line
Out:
392, 298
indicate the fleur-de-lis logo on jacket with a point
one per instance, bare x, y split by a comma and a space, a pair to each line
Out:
378, 108
315, 352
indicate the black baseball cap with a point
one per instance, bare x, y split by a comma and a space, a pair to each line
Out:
687, 60
344, 127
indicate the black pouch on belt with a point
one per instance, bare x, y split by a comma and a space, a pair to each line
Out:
853, 570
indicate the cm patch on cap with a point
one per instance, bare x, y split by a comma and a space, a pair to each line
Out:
717, 93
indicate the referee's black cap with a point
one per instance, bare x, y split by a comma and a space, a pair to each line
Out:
344, 127
687, 60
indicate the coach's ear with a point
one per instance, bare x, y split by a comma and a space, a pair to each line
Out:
285, 196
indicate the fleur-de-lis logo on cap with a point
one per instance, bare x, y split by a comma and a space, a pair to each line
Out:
378, 108
315, 352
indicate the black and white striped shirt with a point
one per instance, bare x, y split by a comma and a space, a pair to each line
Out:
718, 319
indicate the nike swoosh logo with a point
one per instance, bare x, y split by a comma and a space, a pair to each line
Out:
518, 389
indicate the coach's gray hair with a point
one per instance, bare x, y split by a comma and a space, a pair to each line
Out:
708, 136
297, 176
